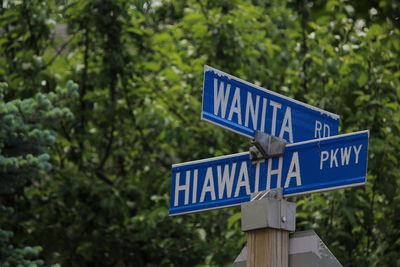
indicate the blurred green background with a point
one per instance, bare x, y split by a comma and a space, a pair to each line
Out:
99, 97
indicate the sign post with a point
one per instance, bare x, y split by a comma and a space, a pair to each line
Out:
315, 159
268, 247
267, 220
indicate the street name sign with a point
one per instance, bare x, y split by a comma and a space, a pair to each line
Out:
243, 107
306, 167
306, 249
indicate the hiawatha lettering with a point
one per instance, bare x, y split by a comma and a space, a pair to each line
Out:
310, 166
222, 185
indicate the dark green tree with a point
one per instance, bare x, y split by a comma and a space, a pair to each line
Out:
25, 136
139, 66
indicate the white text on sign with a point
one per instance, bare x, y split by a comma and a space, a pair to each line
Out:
339, 156
256, 106
223, 185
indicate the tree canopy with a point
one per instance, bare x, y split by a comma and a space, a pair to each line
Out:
85, 166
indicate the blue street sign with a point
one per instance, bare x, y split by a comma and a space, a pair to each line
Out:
243, 107
310, 166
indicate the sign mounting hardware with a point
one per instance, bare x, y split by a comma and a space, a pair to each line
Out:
266, 146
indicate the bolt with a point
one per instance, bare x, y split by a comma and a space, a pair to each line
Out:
284, 219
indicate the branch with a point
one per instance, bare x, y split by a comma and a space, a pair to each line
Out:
103, 177
59, 52
109, 144
203, 9
30, 27
302, 11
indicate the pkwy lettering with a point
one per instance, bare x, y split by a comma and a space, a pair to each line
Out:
345, 156
247, 113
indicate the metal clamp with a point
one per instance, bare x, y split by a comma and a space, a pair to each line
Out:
268, 209
266, 146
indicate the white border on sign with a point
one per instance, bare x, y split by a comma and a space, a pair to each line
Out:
221, 73
288, 145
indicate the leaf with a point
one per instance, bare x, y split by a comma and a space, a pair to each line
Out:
375, 30
193, 18
233, 220
362, 79
202, 234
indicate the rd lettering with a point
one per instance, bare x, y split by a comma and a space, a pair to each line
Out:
321, 130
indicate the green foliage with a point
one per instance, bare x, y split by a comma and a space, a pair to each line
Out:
24, 138
24, 141
16, 256
139, 68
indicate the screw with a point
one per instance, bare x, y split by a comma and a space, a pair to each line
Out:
284, 219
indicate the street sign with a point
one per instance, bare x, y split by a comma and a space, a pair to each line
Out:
306, 167
243, 107
306, 249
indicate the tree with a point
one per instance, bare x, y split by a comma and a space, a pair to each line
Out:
139, 67
25, 136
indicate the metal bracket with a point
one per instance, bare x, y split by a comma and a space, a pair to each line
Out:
268, 209
266, 146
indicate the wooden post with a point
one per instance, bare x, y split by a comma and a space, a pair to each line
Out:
267, 247
267, 220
